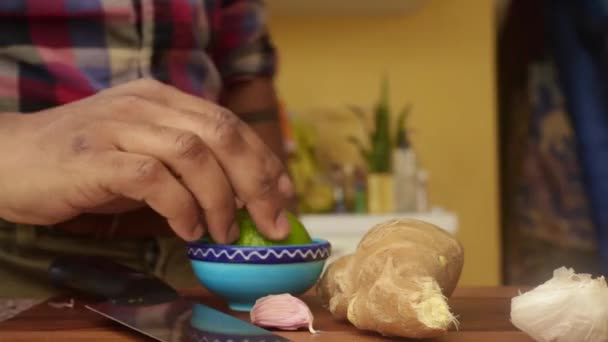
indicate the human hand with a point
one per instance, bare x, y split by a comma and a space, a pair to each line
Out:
141, 143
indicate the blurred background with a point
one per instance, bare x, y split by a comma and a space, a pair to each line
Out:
438, 57
483, 117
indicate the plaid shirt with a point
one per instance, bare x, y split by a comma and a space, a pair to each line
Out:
56, 51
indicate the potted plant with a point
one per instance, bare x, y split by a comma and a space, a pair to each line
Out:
377, 153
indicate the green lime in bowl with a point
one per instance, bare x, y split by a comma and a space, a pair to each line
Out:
254, 267
251, 237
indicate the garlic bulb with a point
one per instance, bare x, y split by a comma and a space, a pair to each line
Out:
569, 307
282, 311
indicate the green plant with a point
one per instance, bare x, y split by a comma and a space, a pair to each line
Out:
377, 153
403, 140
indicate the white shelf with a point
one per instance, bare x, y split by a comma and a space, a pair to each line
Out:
344, 231
342, 7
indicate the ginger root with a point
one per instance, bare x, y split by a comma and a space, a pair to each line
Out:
397, 281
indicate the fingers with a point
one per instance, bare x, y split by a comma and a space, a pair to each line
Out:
192, 162
256, 174
145, 179
239, 204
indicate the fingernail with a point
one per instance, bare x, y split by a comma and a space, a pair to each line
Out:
285, 185
233, 233
282, 223
198, 231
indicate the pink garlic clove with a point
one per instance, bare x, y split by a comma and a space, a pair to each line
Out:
282, 311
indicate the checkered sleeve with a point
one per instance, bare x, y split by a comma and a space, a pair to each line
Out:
242, 47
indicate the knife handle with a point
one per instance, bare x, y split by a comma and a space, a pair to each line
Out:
105, 278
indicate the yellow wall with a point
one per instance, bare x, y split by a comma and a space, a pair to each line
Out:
441, 59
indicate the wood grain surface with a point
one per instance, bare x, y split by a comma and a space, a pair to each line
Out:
483, 314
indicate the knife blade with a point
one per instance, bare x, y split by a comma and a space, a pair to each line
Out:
146, 304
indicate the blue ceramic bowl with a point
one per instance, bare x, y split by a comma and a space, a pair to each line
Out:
243, 274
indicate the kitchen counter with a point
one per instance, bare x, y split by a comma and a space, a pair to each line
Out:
483, 314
